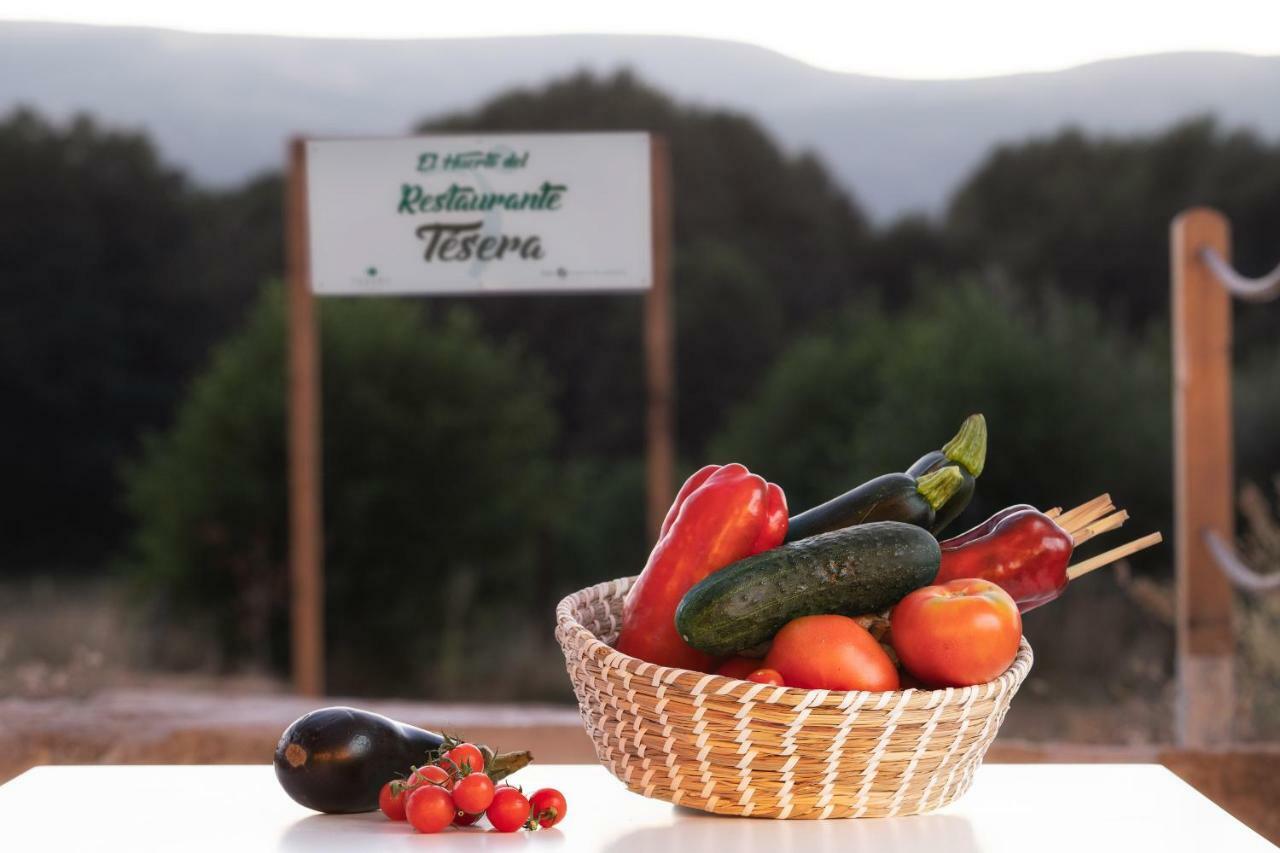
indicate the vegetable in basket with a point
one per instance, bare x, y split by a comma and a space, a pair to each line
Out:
721, 515
861, 569
1019, 548
739, 667
931, 503
890, 497
968, 450
1026, 551
956, 634
830, 652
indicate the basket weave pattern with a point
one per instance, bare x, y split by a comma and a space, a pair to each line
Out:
740, 748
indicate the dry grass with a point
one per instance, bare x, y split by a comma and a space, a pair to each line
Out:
1258, 621
65, 637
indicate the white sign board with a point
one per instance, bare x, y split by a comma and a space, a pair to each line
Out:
480, 214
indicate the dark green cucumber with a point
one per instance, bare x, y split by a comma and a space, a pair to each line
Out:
968, 450
891, 497
862, 569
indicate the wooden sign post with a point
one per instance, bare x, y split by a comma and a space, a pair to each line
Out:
476, 194
659, 349
306, 516
1204, 481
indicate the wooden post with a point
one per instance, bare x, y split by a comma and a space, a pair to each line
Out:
306, 567
659, 346
1204, 488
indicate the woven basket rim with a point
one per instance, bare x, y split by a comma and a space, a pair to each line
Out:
585, 642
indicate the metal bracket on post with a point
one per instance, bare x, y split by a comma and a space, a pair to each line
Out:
1262, 289
1236, 570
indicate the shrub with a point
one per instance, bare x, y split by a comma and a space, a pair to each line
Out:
436, 474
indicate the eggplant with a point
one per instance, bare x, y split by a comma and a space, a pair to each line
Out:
335, 760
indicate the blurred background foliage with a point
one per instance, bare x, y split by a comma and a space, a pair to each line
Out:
484, 457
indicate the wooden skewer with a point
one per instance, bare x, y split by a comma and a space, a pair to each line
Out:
1087, 513
1087, 505
1089, 516
1068, 520
1114, 554
1083, 534
1053, 513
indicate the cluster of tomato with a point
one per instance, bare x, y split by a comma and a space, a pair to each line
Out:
456, 791
953, 634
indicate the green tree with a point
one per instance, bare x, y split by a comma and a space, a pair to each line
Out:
91, 340
793, 236
116, 276
436, 490
881, 389
1091, 214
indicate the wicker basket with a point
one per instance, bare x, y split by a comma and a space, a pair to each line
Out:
739, 748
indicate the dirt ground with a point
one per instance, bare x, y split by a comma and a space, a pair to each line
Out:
194, 725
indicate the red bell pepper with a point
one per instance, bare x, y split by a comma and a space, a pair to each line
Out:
721, 515
1020, 548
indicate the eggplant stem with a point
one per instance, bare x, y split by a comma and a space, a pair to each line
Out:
506, 763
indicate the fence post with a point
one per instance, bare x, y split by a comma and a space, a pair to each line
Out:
1204, 487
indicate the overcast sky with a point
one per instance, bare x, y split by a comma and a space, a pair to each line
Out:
892, 38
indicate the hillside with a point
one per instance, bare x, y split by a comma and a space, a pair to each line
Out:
222, 105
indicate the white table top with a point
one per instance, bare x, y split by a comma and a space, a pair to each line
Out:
1019, 808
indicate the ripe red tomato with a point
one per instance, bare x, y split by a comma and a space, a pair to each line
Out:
548, 806
430, 808
738, 667
830, 653
431, 774
463, 759
958, 633
473, 793
509, 809
464, 819
391, 799
766, 676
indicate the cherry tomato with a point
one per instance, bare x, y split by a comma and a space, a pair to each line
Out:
391, 799
464, 819
738, 667
958, 633
509, 809
830, 653
463, 759
766, 676
548, 806
430, 808
432, 774
473, 793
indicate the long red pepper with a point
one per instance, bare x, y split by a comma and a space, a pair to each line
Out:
1019, 548
721, 515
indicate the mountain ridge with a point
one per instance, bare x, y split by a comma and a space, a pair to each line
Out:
222, 106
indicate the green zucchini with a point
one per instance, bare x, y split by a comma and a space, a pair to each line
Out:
862, 569
891, 497
968, 450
